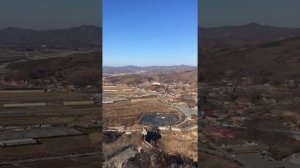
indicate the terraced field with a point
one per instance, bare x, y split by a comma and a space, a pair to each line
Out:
129, 112
46, 108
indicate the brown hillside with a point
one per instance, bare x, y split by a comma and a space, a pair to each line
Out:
78, 69
270, 62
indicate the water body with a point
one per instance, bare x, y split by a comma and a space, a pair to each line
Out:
159, 120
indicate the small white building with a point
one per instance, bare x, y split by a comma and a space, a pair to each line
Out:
155, 83
17, 142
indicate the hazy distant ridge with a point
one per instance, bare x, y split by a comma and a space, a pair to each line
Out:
249, 34
131, 68
81, 36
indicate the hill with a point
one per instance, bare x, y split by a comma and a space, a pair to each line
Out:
185, 76
242, 35
269, 62
75, 37
77, 69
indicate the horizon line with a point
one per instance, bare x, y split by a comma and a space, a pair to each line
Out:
45, 29
245, 24
149, 65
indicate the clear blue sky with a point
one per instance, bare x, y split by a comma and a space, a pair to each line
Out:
149, 32
284, 13
49, 14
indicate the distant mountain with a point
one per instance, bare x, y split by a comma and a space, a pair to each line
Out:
186, 76
235, 36
75, 37
133, 69
123, 69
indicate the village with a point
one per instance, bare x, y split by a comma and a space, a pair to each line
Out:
164, 113
240, 120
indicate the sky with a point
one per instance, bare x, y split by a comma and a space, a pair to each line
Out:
149, 32
283, 13
49, 14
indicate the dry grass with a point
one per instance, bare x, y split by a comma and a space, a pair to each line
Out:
95, 137
128, 112
210, 161
108, 149
41, 97
135, 107
181, 143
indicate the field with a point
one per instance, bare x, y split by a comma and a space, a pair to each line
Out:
178, 143
53, 109
53, 113
48, 147
19, 97
129, 112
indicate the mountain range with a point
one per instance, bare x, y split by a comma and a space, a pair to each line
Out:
91, 36
242, 35
133, 69
185, 76
75, 37
262, 53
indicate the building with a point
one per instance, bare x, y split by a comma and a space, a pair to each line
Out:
17, 142
155, 83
